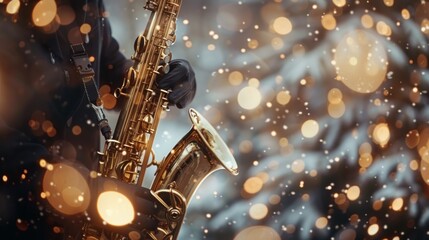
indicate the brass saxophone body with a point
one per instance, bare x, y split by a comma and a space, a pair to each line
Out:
128, 154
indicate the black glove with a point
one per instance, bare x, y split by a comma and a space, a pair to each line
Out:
140, 197
181, 80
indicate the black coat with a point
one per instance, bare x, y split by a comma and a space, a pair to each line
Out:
43, 108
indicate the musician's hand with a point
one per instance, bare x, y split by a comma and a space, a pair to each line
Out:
181, 80
141, 199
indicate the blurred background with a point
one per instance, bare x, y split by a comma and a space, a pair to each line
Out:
323, 104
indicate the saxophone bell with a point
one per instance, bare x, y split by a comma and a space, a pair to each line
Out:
198, 154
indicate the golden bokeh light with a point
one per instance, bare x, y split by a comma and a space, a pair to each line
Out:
335, 96
283, 142
424, 153
85, 28
253, 43
282, 25
258, 211
397, 204
383, 29
412, 138
115, 208
414, 165
367, 21
361, 62
44, 12
253, 185
257, 233
298, 166
76, 130
321, 222
13, 6
424, 171
347, 234
339, 3
365, 148
66, 189
405, 14
329, 22
109, 101
381, 134
336, 110
235, 78
283, 97
373, 229
425, 26
340, 199
389, 3
277, 43
254, 82
249, 98
353, 193
275, 199
310, 128
43, 163
365, 160
422, 61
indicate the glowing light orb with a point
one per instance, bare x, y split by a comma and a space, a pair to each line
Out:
310, 128
249, 98
339, 3
412, 138
336, 110
353, 193
257, 232
282, 25
115, 208
329, 22
361, 61
397, 204
283, 97
424, 171
235, 78
13, 6
44, 12
367, 21
253, 185
321, 222
335, 96
66, 189
258, 211
373, 229
298, 166
381, 134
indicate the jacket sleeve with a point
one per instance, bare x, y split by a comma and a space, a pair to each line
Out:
113, 63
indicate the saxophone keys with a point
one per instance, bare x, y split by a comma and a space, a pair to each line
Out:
126, 171
163, 69
166, 55
140, 44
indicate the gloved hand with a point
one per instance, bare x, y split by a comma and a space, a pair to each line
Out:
181, 80
140, 197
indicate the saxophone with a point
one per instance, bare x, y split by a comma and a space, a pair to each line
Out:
128, 154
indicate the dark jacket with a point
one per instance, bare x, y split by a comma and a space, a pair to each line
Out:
44, 109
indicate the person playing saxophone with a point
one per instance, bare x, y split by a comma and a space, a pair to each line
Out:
47, 124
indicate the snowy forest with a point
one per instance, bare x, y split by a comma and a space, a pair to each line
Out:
323, 106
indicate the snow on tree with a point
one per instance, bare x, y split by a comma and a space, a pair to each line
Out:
324, 105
